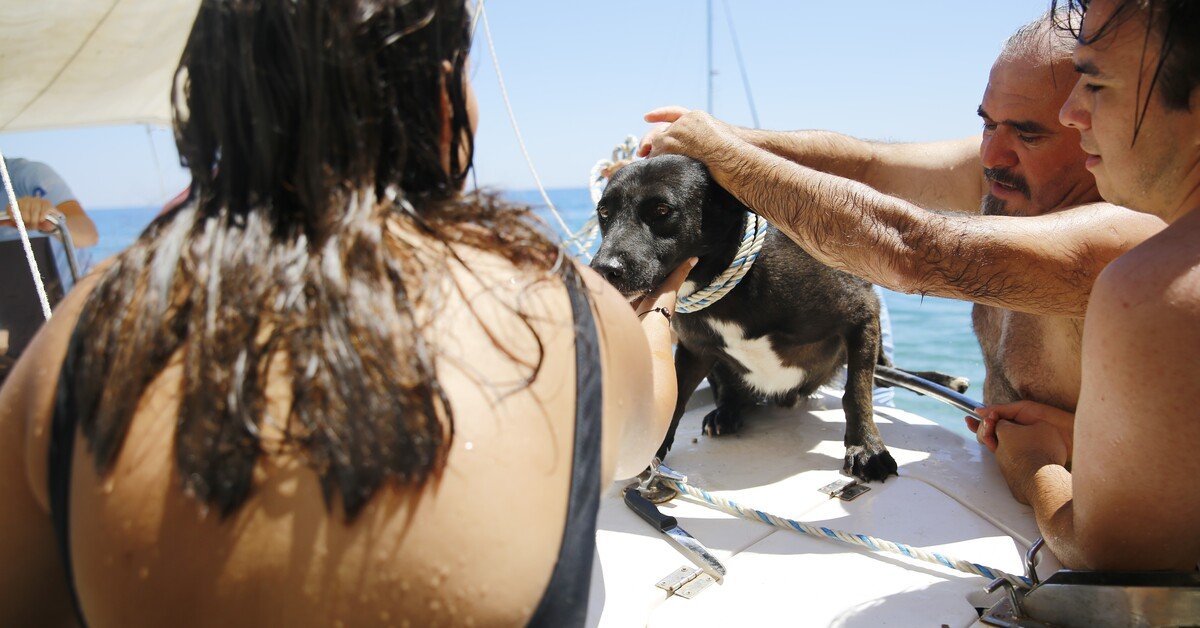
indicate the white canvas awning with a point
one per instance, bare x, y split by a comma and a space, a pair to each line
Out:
67, 63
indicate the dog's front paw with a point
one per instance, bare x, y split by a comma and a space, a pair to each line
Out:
868, 463
722, 422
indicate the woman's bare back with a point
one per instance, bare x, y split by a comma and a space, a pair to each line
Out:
475, 545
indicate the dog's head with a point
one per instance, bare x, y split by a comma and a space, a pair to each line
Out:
656, 213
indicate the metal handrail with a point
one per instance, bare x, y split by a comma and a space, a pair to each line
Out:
63, 233
923, 386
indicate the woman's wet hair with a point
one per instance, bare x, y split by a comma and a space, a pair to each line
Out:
1171, 25
313, 130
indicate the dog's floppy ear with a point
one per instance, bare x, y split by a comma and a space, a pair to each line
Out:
724, 211
721, 198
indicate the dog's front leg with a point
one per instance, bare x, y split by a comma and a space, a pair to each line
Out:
690, 369
732, 400
866, 456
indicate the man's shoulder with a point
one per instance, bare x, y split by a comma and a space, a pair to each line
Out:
1155, 283
29, 168
34, 178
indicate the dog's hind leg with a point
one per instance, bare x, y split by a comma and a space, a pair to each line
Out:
866, 456
732, 403
690, 369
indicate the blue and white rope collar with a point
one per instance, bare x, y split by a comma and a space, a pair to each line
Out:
752, 243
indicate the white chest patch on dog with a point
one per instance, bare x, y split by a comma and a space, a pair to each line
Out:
765, 372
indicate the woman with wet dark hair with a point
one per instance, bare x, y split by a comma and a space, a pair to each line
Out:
328, 388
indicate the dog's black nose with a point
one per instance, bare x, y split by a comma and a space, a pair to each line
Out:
610, 268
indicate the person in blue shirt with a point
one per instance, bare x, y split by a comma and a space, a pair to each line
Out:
40, 191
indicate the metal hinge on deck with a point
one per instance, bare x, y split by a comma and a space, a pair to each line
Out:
844, 490
686, 582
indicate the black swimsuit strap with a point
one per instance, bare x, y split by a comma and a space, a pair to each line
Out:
566, 598
62, 451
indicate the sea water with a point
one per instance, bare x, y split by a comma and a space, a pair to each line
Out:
929, 333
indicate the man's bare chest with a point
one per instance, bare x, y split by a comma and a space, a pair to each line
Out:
1029, 356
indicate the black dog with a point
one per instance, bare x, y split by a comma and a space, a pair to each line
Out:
785, 330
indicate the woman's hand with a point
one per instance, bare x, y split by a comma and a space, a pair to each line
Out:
667, 293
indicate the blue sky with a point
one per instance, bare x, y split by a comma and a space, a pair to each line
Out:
581, 74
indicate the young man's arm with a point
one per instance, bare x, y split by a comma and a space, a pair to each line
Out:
942, 176
1139, 425
1040, 265
1125, 504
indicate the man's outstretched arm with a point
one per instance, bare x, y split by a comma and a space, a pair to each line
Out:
943, 176
1041, 265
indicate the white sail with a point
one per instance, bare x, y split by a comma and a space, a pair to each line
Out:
67, 63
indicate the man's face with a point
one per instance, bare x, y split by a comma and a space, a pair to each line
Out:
1032, 164
1156, 172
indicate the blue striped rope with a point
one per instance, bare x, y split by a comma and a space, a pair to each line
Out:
860, 540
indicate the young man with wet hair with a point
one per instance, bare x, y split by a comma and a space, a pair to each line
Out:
1127, 501
1010, 221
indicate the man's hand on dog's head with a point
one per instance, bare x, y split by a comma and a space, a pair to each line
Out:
612, 168
662, 119
689, 133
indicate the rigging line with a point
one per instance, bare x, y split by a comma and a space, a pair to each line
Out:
710, 59
737, 51
475, 18
162, 182
14, 210
512, 118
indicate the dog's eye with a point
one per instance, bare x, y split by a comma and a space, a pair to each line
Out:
662, 210
602, 211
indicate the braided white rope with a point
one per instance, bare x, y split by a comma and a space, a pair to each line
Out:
15, 211
860, 540
587, 235
597, 180
752, 243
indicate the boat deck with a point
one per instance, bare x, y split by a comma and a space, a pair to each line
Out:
949, 498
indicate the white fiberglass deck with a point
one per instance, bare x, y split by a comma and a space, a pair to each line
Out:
949, 498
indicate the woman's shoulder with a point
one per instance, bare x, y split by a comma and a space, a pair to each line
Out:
29, 391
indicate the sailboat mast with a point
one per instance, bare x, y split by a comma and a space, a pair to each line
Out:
710, 58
